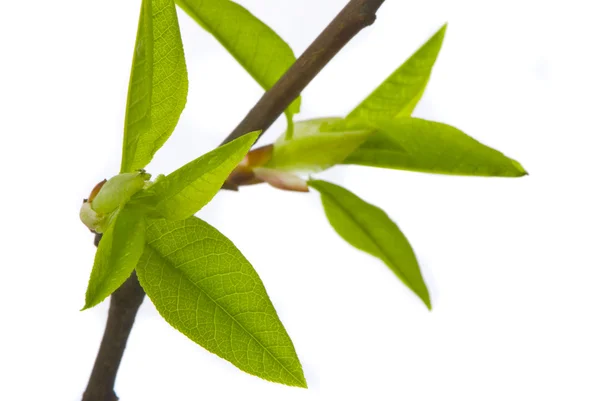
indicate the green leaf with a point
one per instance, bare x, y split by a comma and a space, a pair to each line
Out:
399, 94
430, 147
204, 287
188, 189
117, 255
378, 150
314, 149
252, 43
158, 84
369, 229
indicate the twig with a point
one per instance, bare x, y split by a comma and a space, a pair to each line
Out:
125, 302
357, 14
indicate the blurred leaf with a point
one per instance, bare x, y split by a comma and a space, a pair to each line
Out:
204, 287
281, 179
312, 149
369, 229
430, 147
399, 94
117, 255
251, 42
188, 189
158, 84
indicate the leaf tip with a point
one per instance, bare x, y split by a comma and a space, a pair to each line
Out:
87, 305
521, 171
442, 30
424, 296
255, 134
300, 380
89, 302
93, 297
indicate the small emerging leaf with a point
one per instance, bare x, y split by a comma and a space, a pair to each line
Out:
313, 149
91, 219
158, 84
263, 53
95, 190
281, 179
117, 255
204, 287
258, 157
399, 94
244, 173
431, 147
116, 191
369, 229
188, 189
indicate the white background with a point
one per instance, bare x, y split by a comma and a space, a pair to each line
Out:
512, 264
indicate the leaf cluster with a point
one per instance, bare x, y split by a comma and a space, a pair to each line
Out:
198, 280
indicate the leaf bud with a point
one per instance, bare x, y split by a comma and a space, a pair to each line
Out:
117, 191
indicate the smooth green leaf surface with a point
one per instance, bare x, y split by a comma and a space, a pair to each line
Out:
378, 150
252, 43
399, 94
158, 84
188, 189
117, 255
204, 287
419, 145
369, 229
313, 149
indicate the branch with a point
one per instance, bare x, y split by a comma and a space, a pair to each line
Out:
357, 15
125, 302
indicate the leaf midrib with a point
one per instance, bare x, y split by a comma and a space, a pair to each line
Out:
300, 382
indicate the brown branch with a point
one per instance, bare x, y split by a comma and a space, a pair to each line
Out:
125, 302
357, 15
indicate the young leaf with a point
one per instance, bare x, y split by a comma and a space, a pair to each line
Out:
204, 287
188, 189
399, 94
117, 191
313, 149
379, 149
252, 43
369, 229
281, 179
430, 147
117, 255
158, 84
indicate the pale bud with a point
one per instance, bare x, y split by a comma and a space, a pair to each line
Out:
281, 179
117, 191
105, 199
90, 218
